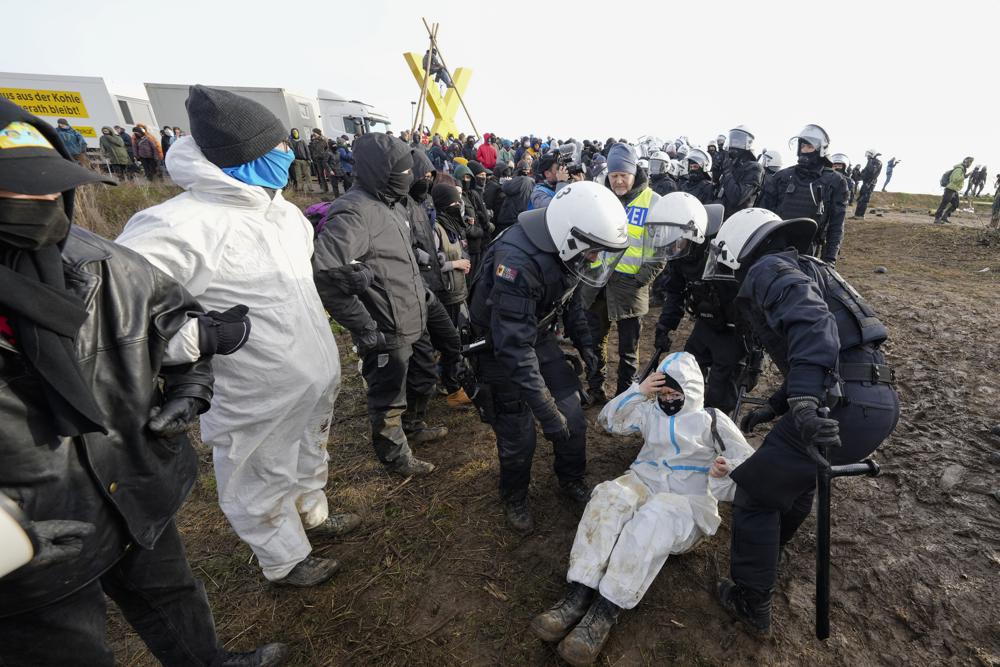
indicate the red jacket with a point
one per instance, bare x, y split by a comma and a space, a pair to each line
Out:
487, 155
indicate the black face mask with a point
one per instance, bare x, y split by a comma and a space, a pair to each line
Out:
672, 407
480, 183
399, 184
736, 153
809, 159
31, 224
466, 185
420, 188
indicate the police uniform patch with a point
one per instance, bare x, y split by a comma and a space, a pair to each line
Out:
507, 273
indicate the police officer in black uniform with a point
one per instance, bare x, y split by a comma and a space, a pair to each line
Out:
698, 181
660, 179
741, 180
527, 281
715, 341
811, 189
869, 179
825, 339
842, 165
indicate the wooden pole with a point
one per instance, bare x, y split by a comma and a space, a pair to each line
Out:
435, 47
423, 107
423, 89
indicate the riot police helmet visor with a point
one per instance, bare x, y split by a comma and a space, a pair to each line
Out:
594, 266
714, 268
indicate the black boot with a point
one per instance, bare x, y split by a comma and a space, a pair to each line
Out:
576, 490
552, 625
582, 646
268, 655
416, 429
598, 396
310, 572
519, 515
750, 608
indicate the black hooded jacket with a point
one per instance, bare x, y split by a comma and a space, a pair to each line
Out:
698, 184
740, 184
420, 213
517, 192
368, 225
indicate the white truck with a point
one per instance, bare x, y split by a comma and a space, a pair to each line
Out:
343, 116
84, 101
292, 110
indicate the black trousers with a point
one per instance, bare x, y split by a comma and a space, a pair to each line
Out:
319, 166
157, 594
629, 330
442, 336
775, 486
150, 167
385, 373
949, 202
863, 198
721, 354
514, 424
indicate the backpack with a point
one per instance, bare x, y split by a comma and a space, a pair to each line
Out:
316, 214
946, 177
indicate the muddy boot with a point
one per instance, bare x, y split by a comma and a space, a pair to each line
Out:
598, 397
577, 491
310, 572
410, 466
459, 399
268, 655
752, 609
416, 429
582, 646
336, 525
519, 515
552, 625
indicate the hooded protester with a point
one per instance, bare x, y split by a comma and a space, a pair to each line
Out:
73, 140
439, 158
486, 155
493, 191
478, 228
319, 153
516, 199
625, 298
368, 227
505, 154
301, 176
114, 152
127, 141
94, 441
469, 148
233, 233
665, 504
147, 149
453, 247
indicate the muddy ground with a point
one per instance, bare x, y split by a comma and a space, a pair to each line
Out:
435, 578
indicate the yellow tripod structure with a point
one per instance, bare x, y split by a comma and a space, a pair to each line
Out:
444, 108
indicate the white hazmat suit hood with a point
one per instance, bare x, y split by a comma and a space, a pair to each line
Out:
228, 243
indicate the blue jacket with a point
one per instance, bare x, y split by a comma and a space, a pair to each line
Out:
73, 140
346, 159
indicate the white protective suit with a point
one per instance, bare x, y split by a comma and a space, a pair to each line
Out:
231, 243
666, 502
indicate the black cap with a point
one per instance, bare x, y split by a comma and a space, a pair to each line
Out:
231, 129
33, 160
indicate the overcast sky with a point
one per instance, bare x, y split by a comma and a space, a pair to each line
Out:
910, 80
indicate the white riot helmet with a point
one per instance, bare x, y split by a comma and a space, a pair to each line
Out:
676, 168
770, 160
643, 163
682, 151
871, 152
743, 233
701, 157
841, 158
586, 226
674, 225
741, 137
720, 140
659, 163
815, 136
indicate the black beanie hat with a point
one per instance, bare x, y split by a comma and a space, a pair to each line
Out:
476, 167
444, 195
230, 129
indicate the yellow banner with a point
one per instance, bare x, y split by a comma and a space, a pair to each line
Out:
48, 102
85, 131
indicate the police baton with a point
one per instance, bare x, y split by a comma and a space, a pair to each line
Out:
825, 474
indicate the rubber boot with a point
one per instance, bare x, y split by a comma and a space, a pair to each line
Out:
751, 609
416, 429
552, 625
583, 645
310, 572
268, 655
518, 515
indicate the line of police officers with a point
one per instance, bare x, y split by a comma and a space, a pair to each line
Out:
753, 277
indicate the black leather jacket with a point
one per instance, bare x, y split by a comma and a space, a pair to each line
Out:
128, 483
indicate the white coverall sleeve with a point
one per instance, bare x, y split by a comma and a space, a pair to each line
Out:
625, 413
184, 347
737, 451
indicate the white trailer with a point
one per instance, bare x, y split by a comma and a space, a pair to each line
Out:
84, 101
292, 110
343, 116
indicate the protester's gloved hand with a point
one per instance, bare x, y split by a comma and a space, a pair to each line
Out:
761, 415
814, 429
555, 428
58, 541
173, 417
661, 339
372, 340
589, 357
353, 279
223, 333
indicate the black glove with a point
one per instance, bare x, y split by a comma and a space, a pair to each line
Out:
173, 417
58, 541
661, 339
814, 429
590, 360
373, 340
223, 333
555, 428
761, 415
353, 279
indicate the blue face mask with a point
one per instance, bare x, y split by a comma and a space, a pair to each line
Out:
270, 170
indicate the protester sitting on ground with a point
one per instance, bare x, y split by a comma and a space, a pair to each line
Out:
665, 504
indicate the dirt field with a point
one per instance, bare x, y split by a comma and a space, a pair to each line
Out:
435, 578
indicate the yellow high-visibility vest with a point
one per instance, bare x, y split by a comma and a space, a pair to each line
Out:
636, 211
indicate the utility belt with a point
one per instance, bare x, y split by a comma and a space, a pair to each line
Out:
874, 373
